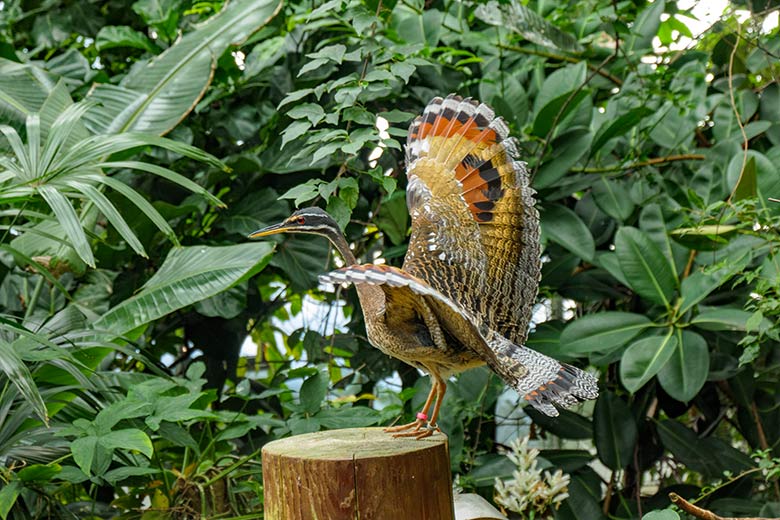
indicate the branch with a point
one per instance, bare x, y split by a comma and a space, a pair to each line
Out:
561, 57
650, 162
704, 514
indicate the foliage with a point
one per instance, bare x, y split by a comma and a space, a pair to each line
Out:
127, 288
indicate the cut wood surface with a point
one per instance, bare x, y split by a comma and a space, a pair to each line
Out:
359, 473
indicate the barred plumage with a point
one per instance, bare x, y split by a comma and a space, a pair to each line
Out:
465, 294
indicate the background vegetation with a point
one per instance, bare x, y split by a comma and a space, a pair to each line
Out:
127, 288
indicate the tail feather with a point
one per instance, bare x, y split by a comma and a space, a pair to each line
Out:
541, 380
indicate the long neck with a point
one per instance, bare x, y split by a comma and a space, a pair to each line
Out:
372, 297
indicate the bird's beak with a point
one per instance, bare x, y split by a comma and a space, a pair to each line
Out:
270, 230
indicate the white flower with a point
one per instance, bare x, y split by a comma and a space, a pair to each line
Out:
529, 490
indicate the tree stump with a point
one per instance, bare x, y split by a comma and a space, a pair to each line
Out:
359, 473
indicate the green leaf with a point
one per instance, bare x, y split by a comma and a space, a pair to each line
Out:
313, 392
393, 218
700, 284
17, 372
188, 275
758, 168
527, 23
568, 148
615, 431
619, 126
154, 98
39, 473
686, 371
705, 238
612, 198
111, 214
568, 425
709, 456
334, 53
23, 90
112, 36
646, 26
127, 439
746, 185
602, 332
564, 227
302, 260
138, 200
666, 514
167, 174
722, 319
294, 130
311, 111
69, 221
84, 451
8, 495
644, 266
644, 358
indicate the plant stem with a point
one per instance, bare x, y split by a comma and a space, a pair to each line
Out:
561, 57
650, 162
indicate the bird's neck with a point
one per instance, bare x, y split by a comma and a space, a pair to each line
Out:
372, 297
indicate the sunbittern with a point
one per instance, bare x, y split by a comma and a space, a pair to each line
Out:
465, 294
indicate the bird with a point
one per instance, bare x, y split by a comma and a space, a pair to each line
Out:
465, 293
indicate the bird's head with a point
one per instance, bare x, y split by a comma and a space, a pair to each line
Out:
307, 220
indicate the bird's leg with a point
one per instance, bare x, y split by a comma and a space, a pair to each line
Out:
440, 387
419, 423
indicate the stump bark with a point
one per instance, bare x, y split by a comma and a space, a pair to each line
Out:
360, 473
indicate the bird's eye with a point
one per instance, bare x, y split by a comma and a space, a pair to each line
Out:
301, 220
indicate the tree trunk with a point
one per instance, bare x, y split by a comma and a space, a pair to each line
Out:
360, 473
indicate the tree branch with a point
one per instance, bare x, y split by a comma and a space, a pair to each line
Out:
650, 162
561, 57
704, 514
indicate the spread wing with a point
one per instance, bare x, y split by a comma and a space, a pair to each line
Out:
475, 230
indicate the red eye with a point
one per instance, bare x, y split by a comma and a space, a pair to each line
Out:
301, 220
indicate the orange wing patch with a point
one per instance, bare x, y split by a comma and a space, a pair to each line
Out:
472, 145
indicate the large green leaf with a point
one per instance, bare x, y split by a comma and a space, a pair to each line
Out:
527, 23
645, 266
156, 97
644, 358
188, 275
563, 226
686, 371
602, 332
615, 431
709, 456
17, 372
23, 89
612, 198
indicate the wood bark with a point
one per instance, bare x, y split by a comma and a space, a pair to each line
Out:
357, 474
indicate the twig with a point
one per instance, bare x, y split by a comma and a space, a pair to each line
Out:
762, 439
705, 514
650, 162
608, 495
560, 57
736, 113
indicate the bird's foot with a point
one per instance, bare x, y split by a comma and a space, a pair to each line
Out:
420, 432
414, 426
